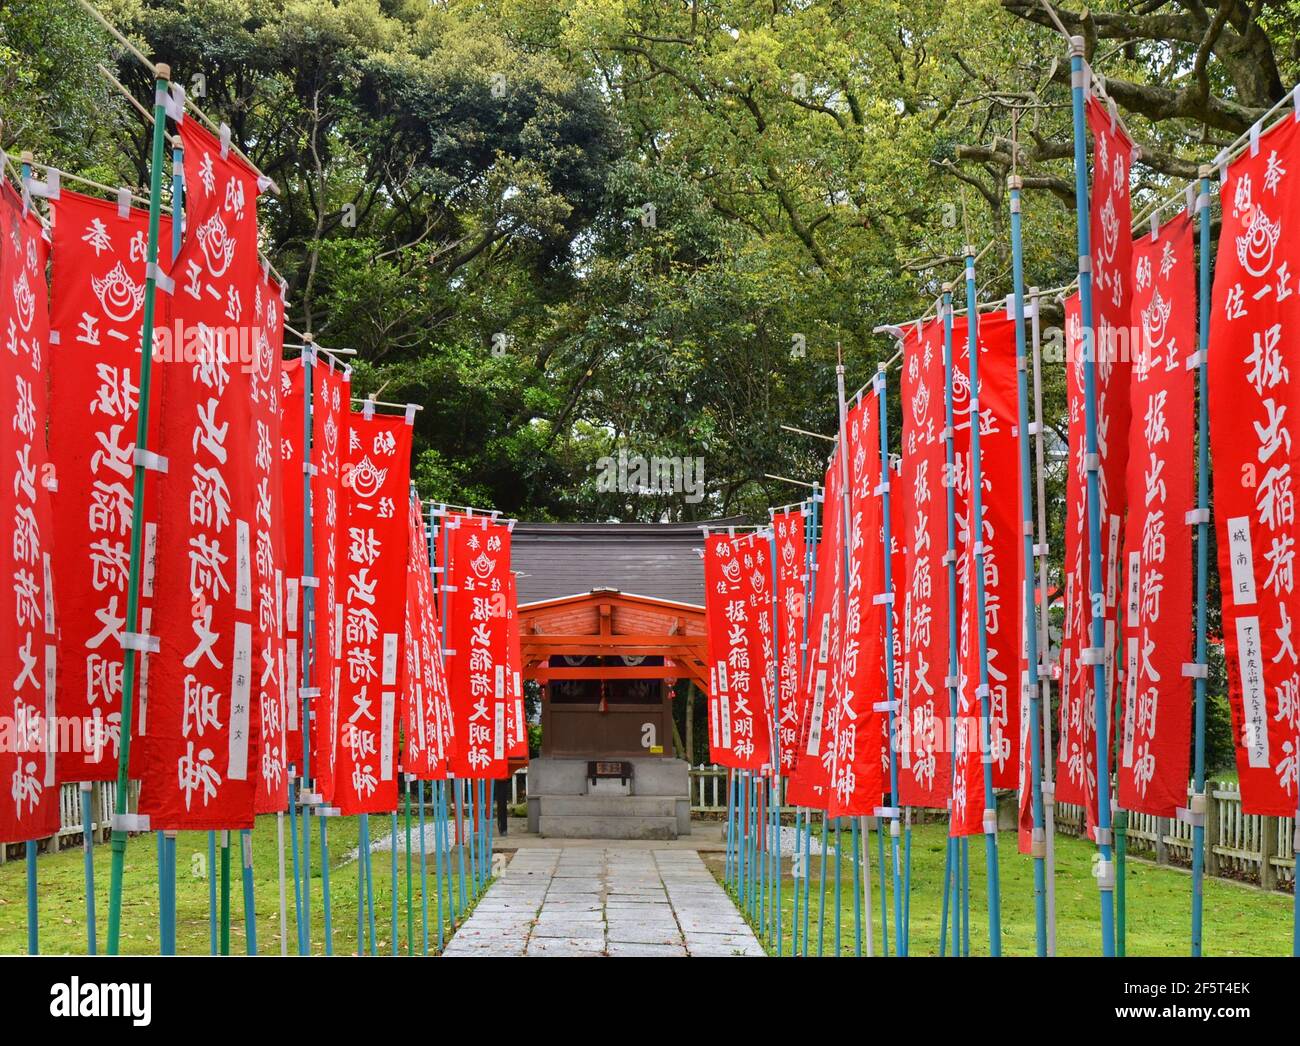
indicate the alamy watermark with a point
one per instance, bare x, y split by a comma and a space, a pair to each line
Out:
636, 474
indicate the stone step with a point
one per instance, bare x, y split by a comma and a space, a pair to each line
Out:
608, 805
584, 826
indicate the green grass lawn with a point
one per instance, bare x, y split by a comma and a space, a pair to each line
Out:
1239, 920
62, 894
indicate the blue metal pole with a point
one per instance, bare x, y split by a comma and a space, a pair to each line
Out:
1106, 868
370, 882
857, 887
162, 891
774, 841
33, 917
905, 942
212, 891
807, 876
293, 845
442, 860
743, 841
821, 908
884, 892
325, 883
731, 830
88, 859
947, 883
747, 837
895, 827
966, 895
1039, 840
839, 886
798, 842
424, 876
1203, 572
250, 913
169, 851
361, 892
952, 854
392, 885
308, 596
977, 538
460, 847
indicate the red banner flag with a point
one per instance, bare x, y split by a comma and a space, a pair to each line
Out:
738, 608
331, 408
372, 582
516, 720
856, 727
1001, 541
791, 568
1110, 221
1254, 322
291, 530
416, 698
476, 568
30, 809
95, 327
811, 774
1154, 747
1076, 779
924, 761
269, 549
440, 738
203, 748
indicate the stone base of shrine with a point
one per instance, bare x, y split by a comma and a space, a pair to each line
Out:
566, 802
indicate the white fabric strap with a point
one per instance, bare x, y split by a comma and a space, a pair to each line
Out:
410, 413
50, 188
124, 203
147, 459
1197, 515
161, 280
1195, 670
129, 822
140, 641
173, 103
308, 581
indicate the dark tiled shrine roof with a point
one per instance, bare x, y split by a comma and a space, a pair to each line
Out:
660, 560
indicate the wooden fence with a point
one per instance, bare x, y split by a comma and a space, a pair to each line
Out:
1238, 845
70, 825
1242, 846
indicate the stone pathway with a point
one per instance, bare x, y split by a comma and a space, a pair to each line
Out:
592, 901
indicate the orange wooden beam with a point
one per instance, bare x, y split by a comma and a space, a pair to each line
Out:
644, 672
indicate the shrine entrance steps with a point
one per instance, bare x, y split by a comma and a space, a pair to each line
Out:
651, 803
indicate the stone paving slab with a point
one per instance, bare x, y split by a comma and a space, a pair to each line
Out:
590, 901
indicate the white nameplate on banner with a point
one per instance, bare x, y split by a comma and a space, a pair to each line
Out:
291, 669
815, 723
1254, 727
240, 686
387, 711
1130, 700
243, 568
499, 729
389, 677
1242, 568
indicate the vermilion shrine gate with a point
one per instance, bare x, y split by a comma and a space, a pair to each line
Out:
612, 625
